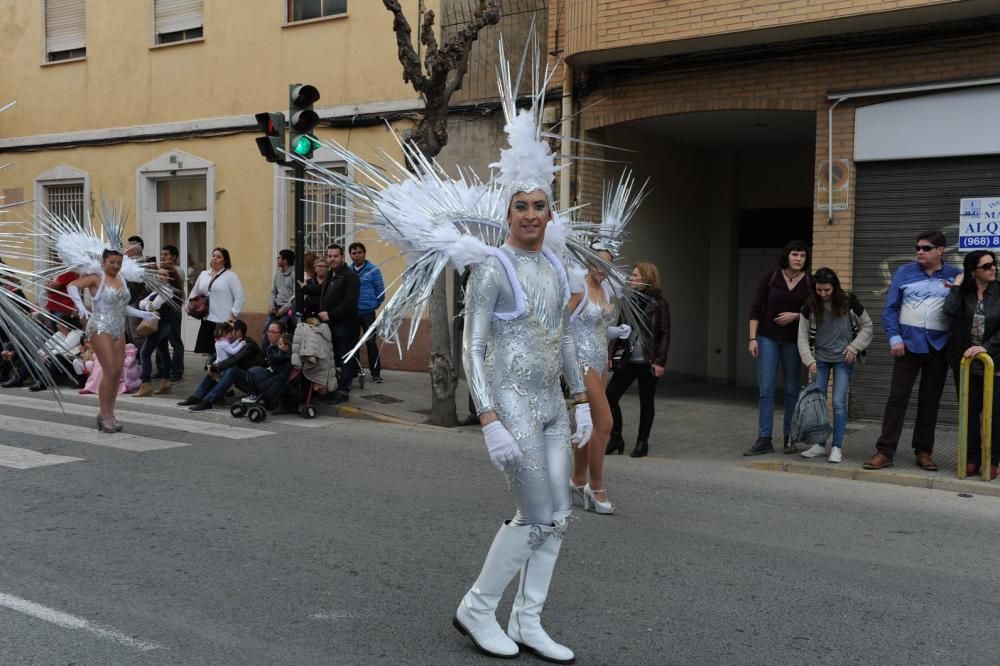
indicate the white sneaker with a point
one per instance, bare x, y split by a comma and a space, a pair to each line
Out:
250, 399
816, 451
836, 455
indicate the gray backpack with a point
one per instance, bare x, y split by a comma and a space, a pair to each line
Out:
810, 421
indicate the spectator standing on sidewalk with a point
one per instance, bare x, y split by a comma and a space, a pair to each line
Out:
975, 307
137, 290
918, 328
312, 288
225, 296
642, 358
371, 295
282, 291
168, 262
339, 309
834, 330
780, 295
57, 301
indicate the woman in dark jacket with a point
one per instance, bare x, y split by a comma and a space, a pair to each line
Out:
643, 358
774, 318
974, 306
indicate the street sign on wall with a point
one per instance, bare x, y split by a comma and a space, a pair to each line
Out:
837, 192
979, 224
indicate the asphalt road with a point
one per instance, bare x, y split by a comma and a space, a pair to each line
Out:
352, 543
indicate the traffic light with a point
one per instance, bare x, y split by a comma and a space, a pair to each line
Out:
272, 144
302, 119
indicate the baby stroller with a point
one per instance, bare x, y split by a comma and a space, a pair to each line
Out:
313, 372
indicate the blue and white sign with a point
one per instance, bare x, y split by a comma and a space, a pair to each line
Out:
979, 224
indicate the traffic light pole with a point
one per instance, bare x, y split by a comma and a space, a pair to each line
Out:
300, 234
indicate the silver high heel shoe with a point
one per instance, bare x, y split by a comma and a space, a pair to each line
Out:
576, 495
590, 500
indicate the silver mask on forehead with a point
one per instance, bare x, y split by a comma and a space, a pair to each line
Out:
527, 187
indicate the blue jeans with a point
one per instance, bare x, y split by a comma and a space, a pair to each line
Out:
212, 391
769, 353
841, 380
157, 342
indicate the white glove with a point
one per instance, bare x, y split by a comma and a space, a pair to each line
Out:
621, 332
501, 446
74, 294
141, 314
584, 426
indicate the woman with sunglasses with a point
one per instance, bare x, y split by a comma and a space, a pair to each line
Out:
974, 305
834, 330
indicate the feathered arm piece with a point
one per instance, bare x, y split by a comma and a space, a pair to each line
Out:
25, 336
436, 220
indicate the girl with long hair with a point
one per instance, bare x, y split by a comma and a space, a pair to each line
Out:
834, 330
974, 305
780, 295
643, 359
106, 328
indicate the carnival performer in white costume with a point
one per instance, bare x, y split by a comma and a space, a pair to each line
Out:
595, 312
71, 244
106, 328
518, 342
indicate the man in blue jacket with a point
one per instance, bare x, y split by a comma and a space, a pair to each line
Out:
372, 295
918, 330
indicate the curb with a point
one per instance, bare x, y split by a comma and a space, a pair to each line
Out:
976, 487
352, 412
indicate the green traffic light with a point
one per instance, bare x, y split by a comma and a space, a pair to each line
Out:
305, 145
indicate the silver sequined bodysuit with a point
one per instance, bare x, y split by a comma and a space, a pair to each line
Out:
590, 324
108, 307
515, 350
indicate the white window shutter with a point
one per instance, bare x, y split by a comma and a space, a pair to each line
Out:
176, 15
65, 25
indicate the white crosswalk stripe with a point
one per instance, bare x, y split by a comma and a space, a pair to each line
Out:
16, 458
146, 418
118, 440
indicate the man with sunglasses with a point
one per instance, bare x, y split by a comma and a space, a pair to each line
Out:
918, 329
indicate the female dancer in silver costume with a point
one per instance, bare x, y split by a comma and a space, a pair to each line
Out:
593, 320
106, 328
517, 344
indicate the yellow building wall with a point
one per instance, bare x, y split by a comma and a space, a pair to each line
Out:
243, 65
244, 194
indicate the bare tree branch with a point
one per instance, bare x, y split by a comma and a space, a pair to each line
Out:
412, 71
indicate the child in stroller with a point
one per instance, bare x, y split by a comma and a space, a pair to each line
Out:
267, 383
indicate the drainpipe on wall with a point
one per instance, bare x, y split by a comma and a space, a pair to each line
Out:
566, 130
829, 161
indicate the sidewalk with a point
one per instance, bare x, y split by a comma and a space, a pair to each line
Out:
695, 422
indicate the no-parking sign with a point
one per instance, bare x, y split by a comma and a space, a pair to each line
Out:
979, 224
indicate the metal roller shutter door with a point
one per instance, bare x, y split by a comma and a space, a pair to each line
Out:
894, 202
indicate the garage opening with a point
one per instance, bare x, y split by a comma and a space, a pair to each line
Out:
730, 188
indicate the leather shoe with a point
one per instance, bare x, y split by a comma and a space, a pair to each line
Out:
925, 461
971, 469
760, 447
878, 461
200, 406
190, 400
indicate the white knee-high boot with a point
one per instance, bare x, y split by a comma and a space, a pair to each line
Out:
525, 625
476, 617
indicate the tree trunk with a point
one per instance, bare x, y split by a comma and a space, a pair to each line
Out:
444, 379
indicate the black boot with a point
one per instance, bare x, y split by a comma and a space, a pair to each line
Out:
789, 448
761, 446
615, 445
640, 450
